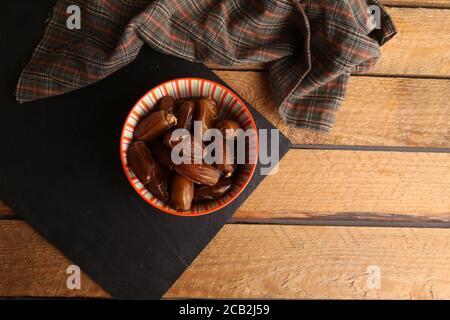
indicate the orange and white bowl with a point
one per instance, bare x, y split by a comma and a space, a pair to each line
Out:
231, 107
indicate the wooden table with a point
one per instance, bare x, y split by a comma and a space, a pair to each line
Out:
374, 192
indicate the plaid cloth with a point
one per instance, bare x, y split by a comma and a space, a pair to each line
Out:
312, 45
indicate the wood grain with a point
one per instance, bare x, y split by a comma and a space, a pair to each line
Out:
421, 47
354, 185
377, 111
261, 261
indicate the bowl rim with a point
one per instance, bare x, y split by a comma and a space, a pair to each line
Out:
203, 212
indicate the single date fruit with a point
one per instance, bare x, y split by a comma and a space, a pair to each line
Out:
207, 113
171, 139
140, 160
185, 114
154, 125
196, 147
167, 104
229, 128
182, 192
162, 154
207, 193
199, 173
227, 166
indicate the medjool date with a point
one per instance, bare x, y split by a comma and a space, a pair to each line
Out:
207, 113
158, 186
207, 193
140, 160
229, 128
171, 139
162, 154
167, 104
182, 192
185, 114
199, 173
195, 149
154, 125
227, 165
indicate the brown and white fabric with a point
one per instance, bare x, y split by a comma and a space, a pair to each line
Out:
311, 46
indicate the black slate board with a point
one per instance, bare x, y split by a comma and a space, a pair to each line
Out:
60, 168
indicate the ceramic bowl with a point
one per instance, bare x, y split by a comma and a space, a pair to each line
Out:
231, 107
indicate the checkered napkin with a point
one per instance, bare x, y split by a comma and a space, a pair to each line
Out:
311, 45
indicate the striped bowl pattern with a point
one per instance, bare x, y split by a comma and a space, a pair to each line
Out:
231, 107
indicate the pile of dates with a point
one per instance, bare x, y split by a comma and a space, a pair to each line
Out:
181, 184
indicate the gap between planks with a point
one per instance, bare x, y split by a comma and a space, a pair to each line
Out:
404, 76
347, 219
370, 148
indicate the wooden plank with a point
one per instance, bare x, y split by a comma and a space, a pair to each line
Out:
261, 261
377, 111
421, 47
423, 50
418, 3
329, 186
354, 186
